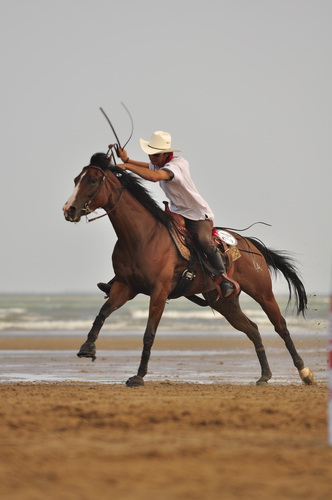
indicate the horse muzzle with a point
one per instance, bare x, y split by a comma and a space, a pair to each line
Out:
71, 213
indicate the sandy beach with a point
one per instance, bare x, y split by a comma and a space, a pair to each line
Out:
170, 439
165, 440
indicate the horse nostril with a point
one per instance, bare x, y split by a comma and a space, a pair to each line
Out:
69, 212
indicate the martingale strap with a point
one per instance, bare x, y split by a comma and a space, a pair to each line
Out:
185, 281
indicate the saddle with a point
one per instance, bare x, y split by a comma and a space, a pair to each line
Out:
224, 241
180, 234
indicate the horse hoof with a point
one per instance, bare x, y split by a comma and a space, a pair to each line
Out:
261, 382
87, 350
135, 381
307, 376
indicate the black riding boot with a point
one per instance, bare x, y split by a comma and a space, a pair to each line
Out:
106, 287
217, 262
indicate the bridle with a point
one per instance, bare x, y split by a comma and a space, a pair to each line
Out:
87, 209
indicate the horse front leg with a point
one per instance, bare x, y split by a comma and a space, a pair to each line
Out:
156, 309
118, 296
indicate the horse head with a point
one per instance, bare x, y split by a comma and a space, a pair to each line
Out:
90, 191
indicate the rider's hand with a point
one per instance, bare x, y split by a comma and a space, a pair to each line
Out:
122, 153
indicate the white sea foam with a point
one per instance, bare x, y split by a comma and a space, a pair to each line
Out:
75, 313
11, 311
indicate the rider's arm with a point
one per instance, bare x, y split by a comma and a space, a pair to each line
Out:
122, 154
137, 163
142, 169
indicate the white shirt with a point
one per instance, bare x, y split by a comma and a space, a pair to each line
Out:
182, 193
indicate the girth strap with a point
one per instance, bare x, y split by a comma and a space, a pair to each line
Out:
185, 280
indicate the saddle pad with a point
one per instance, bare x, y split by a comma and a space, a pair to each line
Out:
180, 244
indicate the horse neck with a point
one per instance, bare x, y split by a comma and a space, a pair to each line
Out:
130, 219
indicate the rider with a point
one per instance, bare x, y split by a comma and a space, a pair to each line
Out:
172, 173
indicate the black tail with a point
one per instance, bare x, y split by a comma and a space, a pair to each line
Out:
280, 261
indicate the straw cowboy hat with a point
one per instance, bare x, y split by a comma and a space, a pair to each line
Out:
160, 142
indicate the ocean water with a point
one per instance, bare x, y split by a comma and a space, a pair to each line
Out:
75, 313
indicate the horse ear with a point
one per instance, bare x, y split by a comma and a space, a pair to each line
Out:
97, 157
100, 160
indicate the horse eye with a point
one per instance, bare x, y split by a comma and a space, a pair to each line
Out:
93, 180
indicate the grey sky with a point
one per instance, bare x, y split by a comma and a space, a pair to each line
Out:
243, 87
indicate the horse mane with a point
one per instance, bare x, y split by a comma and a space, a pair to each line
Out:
134, 185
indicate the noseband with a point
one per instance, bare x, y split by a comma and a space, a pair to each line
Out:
87, 209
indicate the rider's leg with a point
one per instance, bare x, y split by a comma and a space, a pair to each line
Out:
201, 231
106, 287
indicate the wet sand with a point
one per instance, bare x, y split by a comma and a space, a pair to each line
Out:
170, 439
187, 358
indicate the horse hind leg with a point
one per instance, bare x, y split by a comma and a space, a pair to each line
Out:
118, 296
235, 316
272, 310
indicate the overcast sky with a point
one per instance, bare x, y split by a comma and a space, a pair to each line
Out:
243, 86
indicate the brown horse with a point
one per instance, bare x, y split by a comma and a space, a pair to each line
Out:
146, 260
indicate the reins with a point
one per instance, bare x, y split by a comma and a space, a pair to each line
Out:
111, 153
108, 211
118, 144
